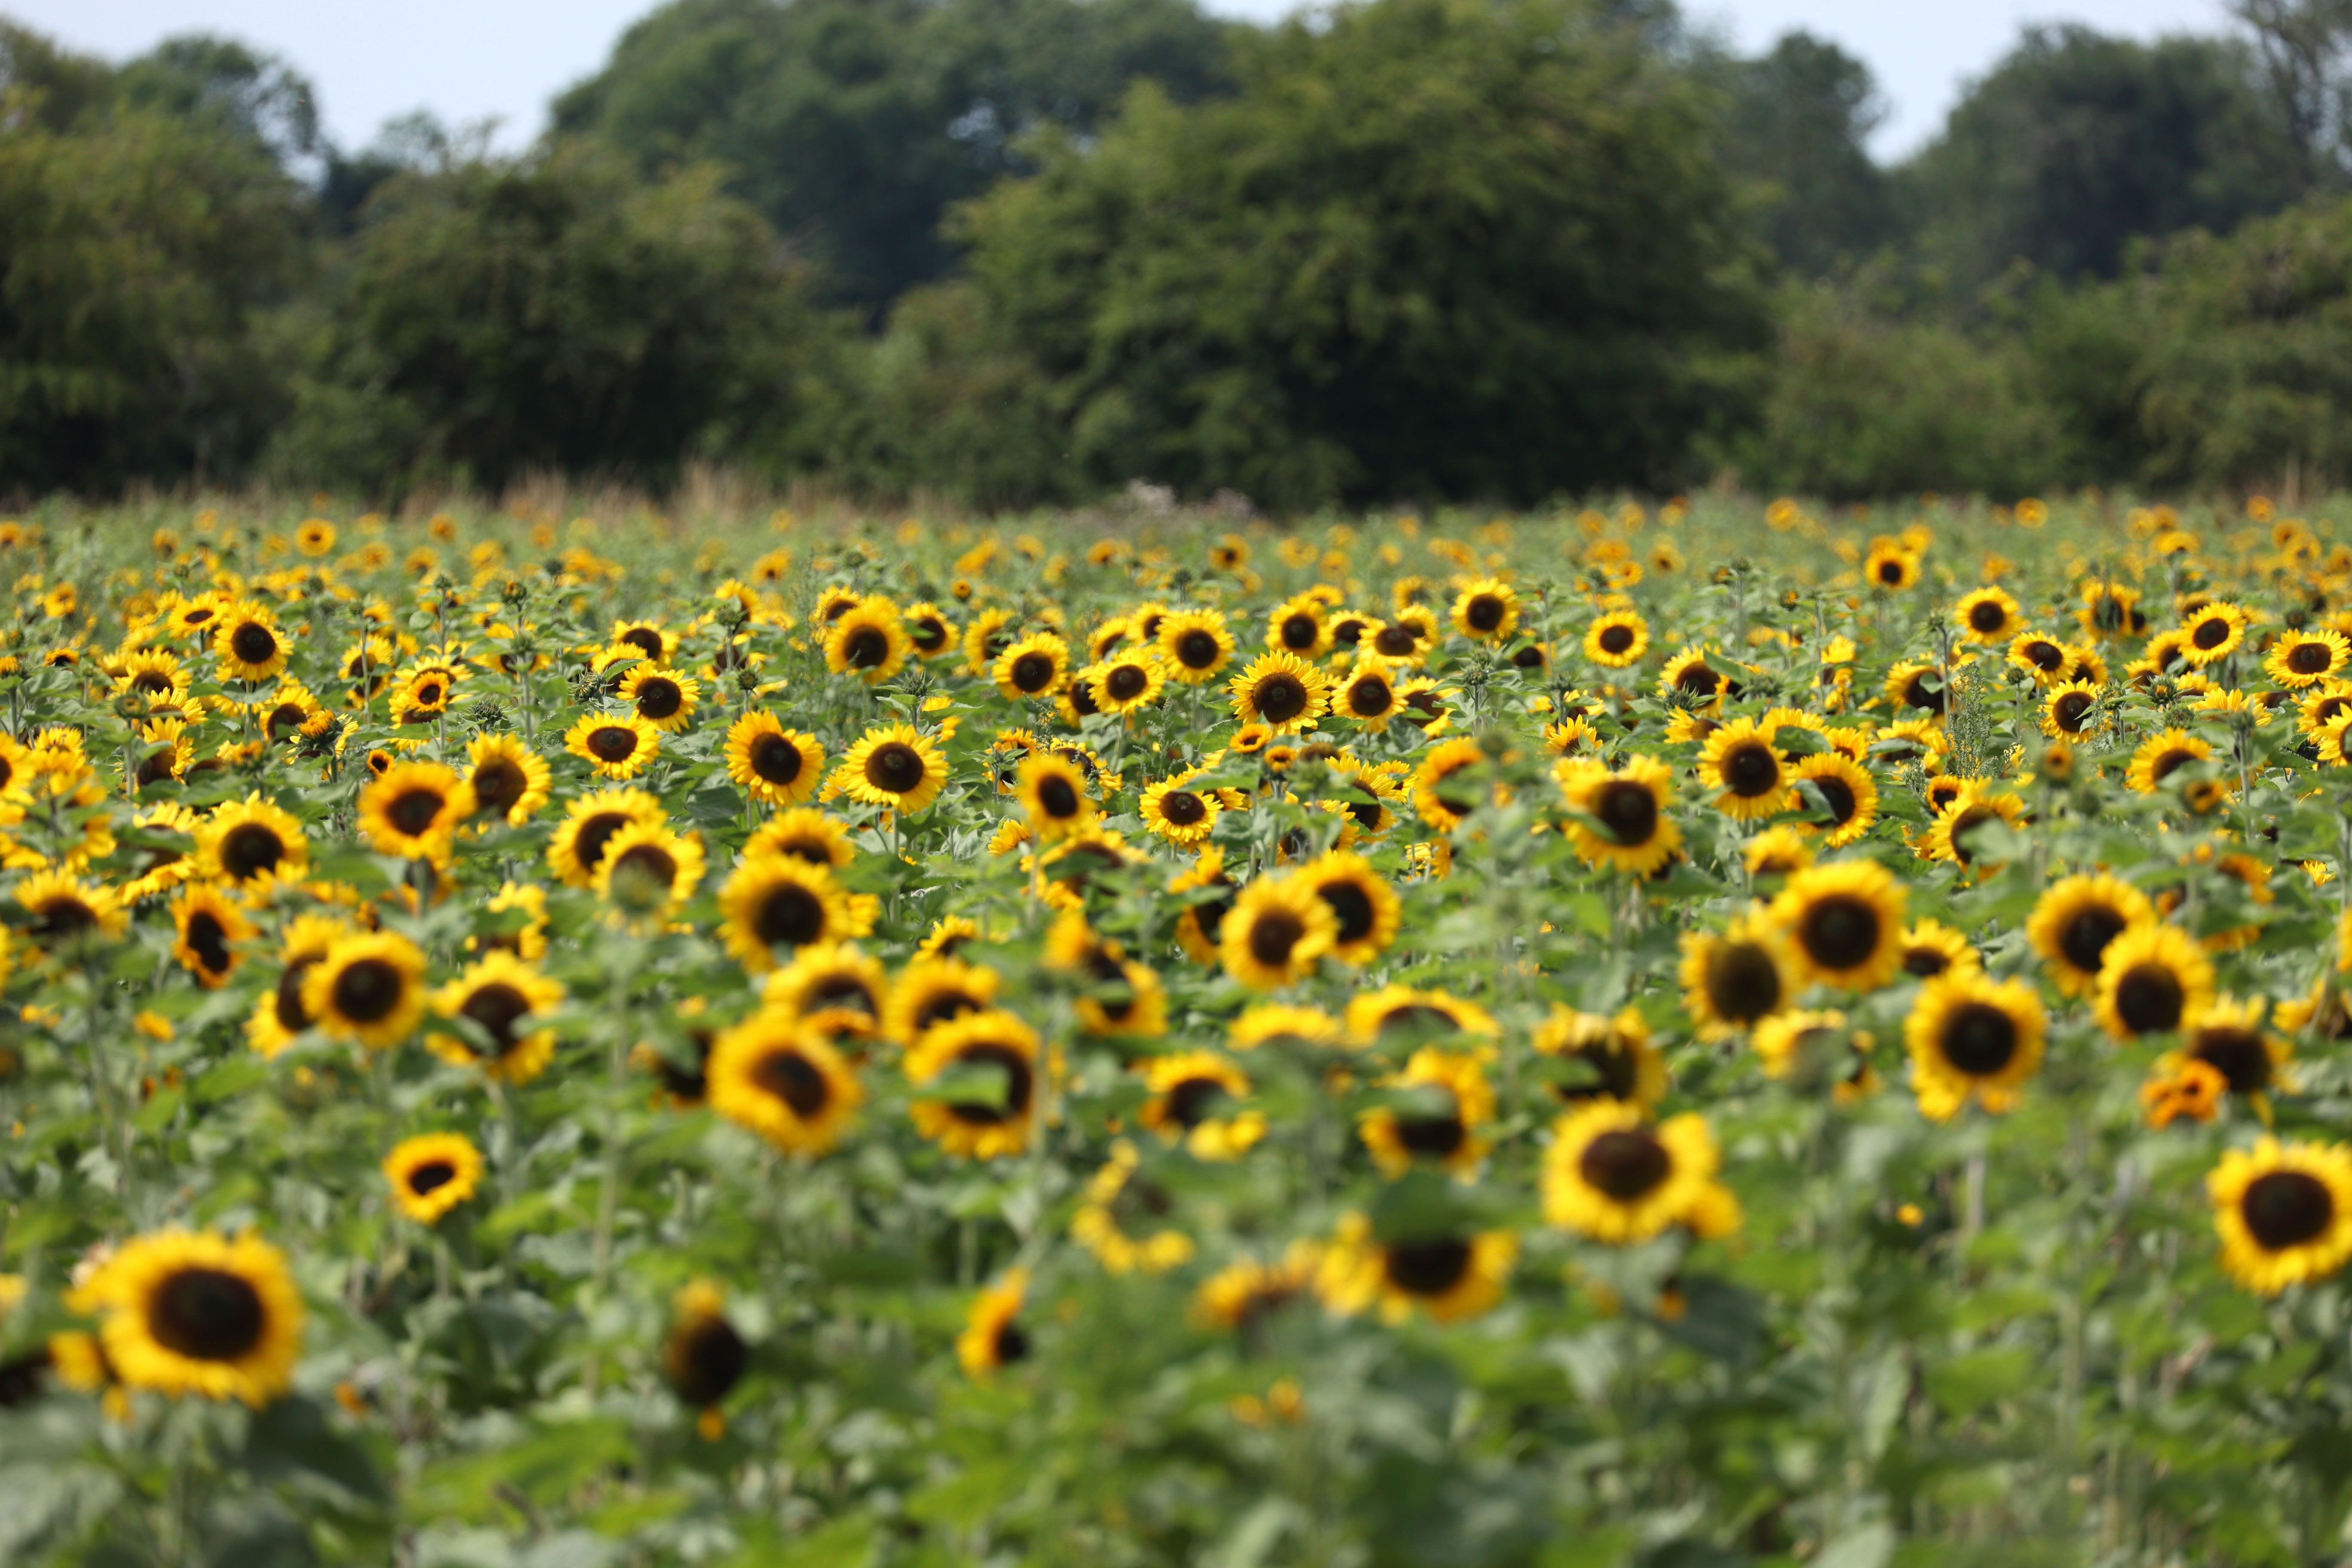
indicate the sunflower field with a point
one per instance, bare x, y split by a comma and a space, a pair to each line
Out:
1675, 1036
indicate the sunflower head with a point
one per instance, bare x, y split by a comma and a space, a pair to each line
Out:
432, 1174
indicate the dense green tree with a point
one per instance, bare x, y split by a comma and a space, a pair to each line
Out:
2076, 144
219, 82
1446, 247
550, 311
1796, 125
853, 124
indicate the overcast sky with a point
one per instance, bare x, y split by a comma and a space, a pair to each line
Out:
468, 60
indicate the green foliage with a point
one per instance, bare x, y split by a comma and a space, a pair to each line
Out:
551, 311
1794, 125
852, 125
1439, 249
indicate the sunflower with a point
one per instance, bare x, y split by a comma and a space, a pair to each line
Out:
1127, 683
1036, 666
209, 928
1447, 1100
833, 978
1970, 1036
251, 838
1054, 794
1844, 924
412, 809
932, 991
1274, 932
1487, 610
1973, 805
781, 900
1739, 762
432, 1174
893, 765
1813, 1046
2066, 709
578, 846
1200, 924
1733, 979
1931, 948
1368, 911
1890, 567
2152, 979
804, 834
1368, 696
2213, 633
1448, 1276
1280, 691
929, 630
249, 644
1438, 795
772, 763
1296, 627
1620, 819
703, 1356
1689, 681
1601, 1057
1848, 797
201, 1313
664, 699
1181, 815
1610, 1177
991, 1042
1988, 615
368, 987
867, 640
617, 745
1617, 639
2284, 1212
2301, 660
1396, 1015
497, 995
2228, 1036
992, 1338
649, 870
775, 1074
63, 910
1119, 1202
2075, 920
1917, 685
1196, 644
507, 779
281, 1013
1194, 1101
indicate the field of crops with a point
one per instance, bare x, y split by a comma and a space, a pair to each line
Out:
1686, 1036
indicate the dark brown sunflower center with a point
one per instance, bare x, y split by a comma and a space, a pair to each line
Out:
368, 989
1616, 638
154, 683
1082, 698
1926, 963
285, 717
1980, 1039
2310, 658
1272, 936
2149, 998
1300, 631
651, 861
793, 1079
2068, 710
1615, 1073
1628, 810
1058, 797
645, 640
498, 785
1838, 795
1351, 906
1127, 682
1194, 1100
1018, 1084
596, 830
2287, 1208
2166, 763
2210, 634
895, 767
1963, 825
250, 849
63, 916
661, 697
928, 632
704, 1357
1840, 931
207, 1314
2044, 656
293, 1016
1919, 691
775, 759
1033, 672
1280, 697
253, 643
414, 811
866, 647
2084, 939
1750, 769
1743, 982
498, 1007
1437, 1137
1426, 1267
1485, 612
789, 913
1394, 641
1626, 1163
2238, 1055
1987, 615
208, 941
1183, 808
1698, 679
1370, 696
431, 1176
611, 742
1196, 649
943, 1005
1891, 572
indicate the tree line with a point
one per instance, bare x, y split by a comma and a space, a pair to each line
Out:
1020, 251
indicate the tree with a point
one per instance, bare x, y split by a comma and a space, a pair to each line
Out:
852, 125
2076, 144
219, 82
1447, 247
549, 312
2304, 47
1796, 125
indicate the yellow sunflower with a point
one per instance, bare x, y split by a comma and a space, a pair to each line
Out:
2152, 978
201, 1313
507, 779
432, 1174
281, 1013
1601, 1057
992, 1338
2284, 1212
1178, 814
1988, 615
1617, 639
1971, 1036
1280, 691
209, 928
1197, 1100
1735, 978
662, 698
1120, 1203
577, 847
499, 995
1449, 1278
648, 871
993, 1045
772, 763
1487, 610
243, 841
1054, 794
1610, 1177
1445, 1099
250, 645
894, 766
1274, 932
781, 900
617, 745
775, 1074
869, 640
1196, 644
2075, 920
1738, 762
1620, 820
1366, 908
1036, 666
1844, 924
413, 810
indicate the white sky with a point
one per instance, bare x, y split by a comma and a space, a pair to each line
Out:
467, 60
